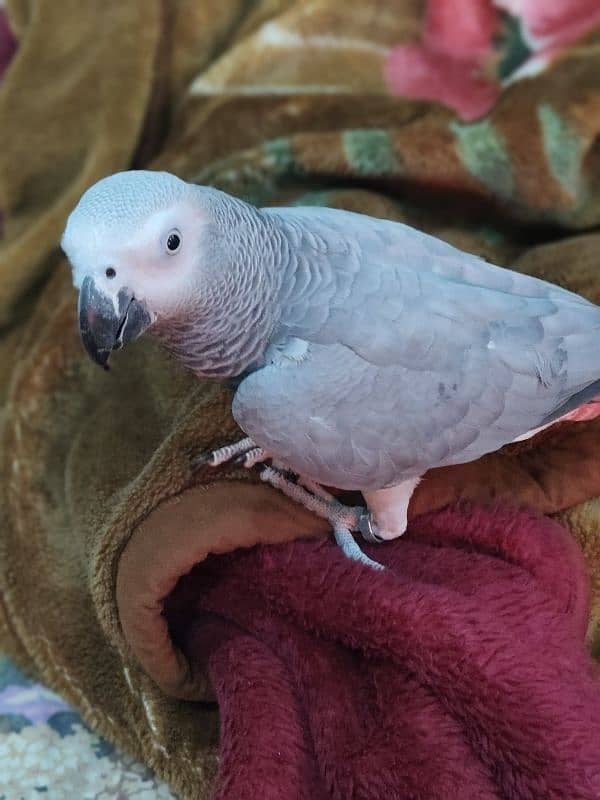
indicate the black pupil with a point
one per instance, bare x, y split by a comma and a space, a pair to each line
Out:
173, 241
110, 272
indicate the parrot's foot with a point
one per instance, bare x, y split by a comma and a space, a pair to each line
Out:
387, 517
244, 452
343, 519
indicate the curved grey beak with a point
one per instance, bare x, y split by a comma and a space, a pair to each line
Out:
106, 323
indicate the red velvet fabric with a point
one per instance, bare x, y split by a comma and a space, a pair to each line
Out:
459, 671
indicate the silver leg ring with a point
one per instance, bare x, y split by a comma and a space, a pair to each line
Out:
366, 525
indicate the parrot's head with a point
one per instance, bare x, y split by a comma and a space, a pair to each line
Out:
136, 241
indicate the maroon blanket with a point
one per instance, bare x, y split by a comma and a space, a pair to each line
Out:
459, 672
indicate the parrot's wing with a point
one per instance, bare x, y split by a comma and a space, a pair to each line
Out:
339, 420
396, 296
333, 416
412, 354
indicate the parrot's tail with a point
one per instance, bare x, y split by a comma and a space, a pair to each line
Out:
580, 398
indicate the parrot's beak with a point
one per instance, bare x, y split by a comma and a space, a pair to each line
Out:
107, 322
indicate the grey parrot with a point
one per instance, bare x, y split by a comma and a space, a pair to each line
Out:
363, 351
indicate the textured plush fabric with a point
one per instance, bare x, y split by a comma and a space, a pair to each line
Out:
278, 102
425, 681
460, 670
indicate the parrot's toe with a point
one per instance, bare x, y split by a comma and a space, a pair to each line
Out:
343, 519
351, 548
316, 489
251, 457
244, 452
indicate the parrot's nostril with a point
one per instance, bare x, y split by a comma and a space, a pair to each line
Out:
111, 272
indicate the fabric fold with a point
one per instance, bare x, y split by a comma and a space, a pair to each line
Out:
207, 520
334, 681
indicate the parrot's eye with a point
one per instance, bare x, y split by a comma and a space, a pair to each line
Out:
173, 242
110, 272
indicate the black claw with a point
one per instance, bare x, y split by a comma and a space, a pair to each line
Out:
205, 457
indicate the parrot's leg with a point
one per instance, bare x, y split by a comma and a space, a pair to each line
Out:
387, 517
343, 519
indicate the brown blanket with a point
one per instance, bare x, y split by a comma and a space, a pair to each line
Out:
278, 101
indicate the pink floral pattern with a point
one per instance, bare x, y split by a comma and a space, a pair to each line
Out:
467, 49
554, 24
